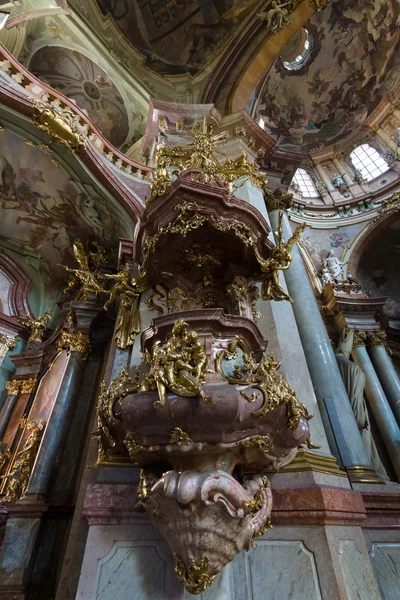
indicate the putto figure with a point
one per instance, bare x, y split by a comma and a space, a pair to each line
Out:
280, 261
277, 16
37, 326
85, 280
180, 366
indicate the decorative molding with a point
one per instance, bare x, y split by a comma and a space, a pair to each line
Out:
360, 338
74, 342
376, 339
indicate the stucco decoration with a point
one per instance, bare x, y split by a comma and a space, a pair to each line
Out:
178, 37
80, 79
342, 83
41, 210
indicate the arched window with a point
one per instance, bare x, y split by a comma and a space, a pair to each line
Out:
305, 184
369, 162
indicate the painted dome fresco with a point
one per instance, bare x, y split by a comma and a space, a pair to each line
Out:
352, 62
80, 79
178, 37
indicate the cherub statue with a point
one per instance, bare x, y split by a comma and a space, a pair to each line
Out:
17, 479
279, 261
276, 17
88, 281
127, 289
37, 326
180, 366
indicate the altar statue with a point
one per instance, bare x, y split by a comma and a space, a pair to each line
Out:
37, 326
354, 381
332, 268
276, 17
127, 289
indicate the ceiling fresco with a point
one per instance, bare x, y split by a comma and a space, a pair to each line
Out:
42, 210
80, 79
181, 36
356, 60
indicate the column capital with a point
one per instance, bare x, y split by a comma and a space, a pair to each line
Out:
6, 343
27, 385
74, 342
360, 338
13, 387
376, 338
277, 200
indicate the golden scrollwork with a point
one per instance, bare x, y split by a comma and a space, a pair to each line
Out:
260, 532
279, 261
85, 280
241, 371
257, 502
7, 343
13, 387
391, 204
120, 387
178, 436
127, 289
28, 385
160, 181
37, 326
60, 125
180, 365
18, 477
194, 576
260, 442
133, 448
74, 342
376, 338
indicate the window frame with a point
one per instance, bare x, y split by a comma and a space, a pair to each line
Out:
369, 162
305, 184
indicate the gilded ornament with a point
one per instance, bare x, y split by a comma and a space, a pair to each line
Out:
194, 576
18, 477
7, 343
277, 200
159, 183
85, 280
360, 338
60, 125
105, 441
37, 326
74, 342
28, 385
133, 448
127, 290
376, 338
178, 436
203, 256
143, 490
120, 387
260, 442
13, 387
258, 501
280, 260
242, 371
391, 204
180, 365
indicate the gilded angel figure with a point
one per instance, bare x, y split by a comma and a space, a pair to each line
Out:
279, 261
127, 289
88, 281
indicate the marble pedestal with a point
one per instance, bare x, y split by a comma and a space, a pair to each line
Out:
316, 550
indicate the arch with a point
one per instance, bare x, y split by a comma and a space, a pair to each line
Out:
18, 302
368, 162
305, 184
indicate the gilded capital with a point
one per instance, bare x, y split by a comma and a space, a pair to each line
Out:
277, 200
360, 338
376, 338
74, 342
13, 387
27, 385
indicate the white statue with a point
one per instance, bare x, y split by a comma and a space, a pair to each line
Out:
276, 17
332, 268
354, 380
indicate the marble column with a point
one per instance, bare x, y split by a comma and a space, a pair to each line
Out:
342, 170
377, 401
385, 369
321, 360
56, 430
385, 137
324, 176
